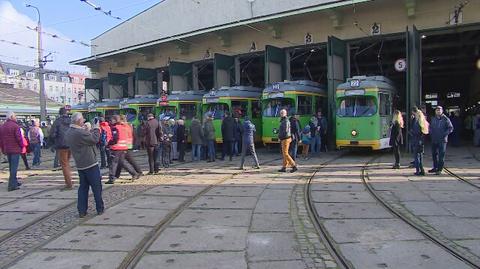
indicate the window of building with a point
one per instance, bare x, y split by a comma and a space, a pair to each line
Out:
50, 88
65, 79
52, 77
14, 72
305, 105
30, 75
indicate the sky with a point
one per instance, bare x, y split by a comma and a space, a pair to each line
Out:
69, 19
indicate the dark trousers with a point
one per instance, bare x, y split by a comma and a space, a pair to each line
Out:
249, 148
323, 143
103, 156
418, 162
396, 154
55, 160
438, 155
129, 158
25, 161
152, 152
227, 149
13, 160
196, 152
90, 177
211, 150
181, 151
119, 162
293, 149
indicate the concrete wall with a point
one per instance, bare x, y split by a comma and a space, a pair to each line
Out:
390, 14
174, 17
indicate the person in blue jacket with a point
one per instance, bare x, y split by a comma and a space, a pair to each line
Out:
249, 143
440, 128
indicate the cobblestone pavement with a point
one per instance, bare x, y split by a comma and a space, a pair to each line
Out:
199, 215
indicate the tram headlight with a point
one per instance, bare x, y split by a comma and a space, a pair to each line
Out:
275, 131
354, 133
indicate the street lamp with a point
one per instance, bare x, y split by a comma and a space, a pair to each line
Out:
43, 101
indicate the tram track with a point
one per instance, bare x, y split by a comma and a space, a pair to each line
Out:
422, 227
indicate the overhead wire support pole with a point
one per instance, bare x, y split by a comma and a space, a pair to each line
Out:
40, 72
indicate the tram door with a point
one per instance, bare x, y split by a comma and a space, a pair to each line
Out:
117, 86
145, 81
338, 71
93, 90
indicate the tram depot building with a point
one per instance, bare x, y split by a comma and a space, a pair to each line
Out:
430, 49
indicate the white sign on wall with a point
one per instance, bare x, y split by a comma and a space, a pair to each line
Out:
376, 29
308, 38
400, 65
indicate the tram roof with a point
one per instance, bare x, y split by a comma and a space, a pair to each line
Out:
107, 103
368, 82
186, 96
142, 99
297, 85
80, 106
235, 91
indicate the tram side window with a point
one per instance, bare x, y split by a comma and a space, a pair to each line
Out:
217, 110
130, 114
305, 105
272, 107
357, 106
384, 106
256, 110
167, 112
144, 111
188, 111
239, 109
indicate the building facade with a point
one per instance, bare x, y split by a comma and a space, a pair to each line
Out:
61, 87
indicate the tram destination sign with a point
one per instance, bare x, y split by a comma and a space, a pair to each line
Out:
275, 95
354, 92
212, 99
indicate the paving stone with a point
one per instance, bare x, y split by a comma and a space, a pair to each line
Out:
59, 194
341, 197
201, 239
35, 205
370, 230
130, 216
154, 202
176, 190
454, 227
213, 218
426, 209
225, 202
393, 186
21, 193
277, 265
400, 254
280, 186
224, 260
236, 191
320, 186
271, 194
71, 259
271, 222
4, 232
15, 220
273, 206
97, 238
410, 195
6, 200
272, 247
463, 209
454, 196
451, 185
351, 210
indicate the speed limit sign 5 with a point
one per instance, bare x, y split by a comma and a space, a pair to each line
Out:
400, 65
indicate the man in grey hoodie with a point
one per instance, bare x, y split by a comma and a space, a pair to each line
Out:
440, 128
82, 143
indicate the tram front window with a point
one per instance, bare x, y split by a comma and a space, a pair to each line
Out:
217, 110
168, 111
144, 111
188, 111
357, 106
111, 112
272, 107
130, 114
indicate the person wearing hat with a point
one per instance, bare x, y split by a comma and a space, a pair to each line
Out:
440, 128
209, 135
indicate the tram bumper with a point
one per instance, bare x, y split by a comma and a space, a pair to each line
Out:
372, 144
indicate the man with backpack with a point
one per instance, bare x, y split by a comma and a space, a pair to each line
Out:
59, 128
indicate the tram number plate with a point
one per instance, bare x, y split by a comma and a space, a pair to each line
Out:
275, 95
353, 142
354, 83
212, 100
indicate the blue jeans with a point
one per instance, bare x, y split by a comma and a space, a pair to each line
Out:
315, 144
293, 149
196, 152
37, 151
438, 155
211, 150
90, 178
418, 162
13, 160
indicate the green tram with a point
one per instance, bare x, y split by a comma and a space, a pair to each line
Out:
240, 101
302, 96
364, 112
107, 108
82, 108
181, 104
138, 108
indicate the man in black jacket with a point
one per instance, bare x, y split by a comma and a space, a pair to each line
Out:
152, 134
59, 128
285, 136
228, 135
295, 132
